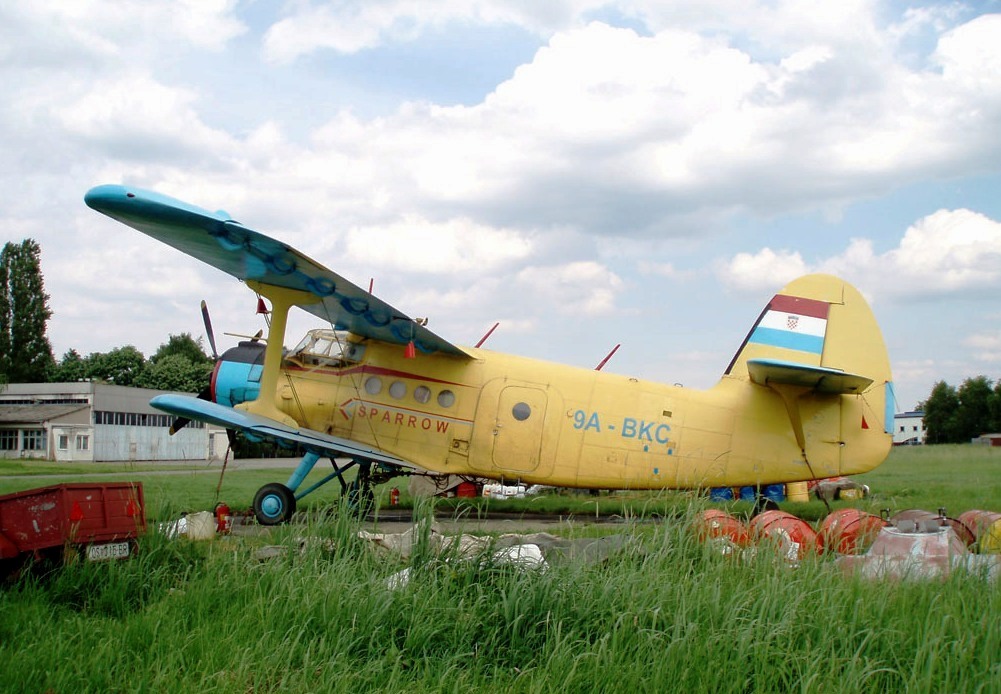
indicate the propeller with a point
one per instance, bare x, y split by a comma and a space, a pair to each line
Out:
206, 394
208, 330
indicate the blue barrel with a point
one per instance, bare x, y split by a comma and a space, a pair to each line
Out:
748, 494
721, 494
774, 492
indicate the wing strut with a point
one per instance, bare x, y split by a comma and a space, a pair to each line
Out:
282, 299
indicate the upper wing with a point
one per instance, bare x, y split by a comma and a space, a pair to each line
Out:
248, 255
256, 426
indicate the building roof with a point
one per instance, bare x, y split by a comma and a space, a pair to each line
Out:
35, 414
916, 414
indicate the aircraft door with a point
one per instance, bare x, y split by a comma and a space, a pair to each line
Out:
520, 424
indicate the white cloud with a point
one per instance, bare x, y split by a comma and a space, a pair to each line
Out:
765, 269
414, 244
584, 287
948, 252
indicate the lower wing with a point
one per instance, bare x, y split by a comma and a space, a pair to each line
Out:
257, 427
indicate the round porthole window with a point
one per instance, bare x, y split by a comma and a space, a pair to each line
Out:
446, 398
373, 385
422, 394
398, 389
521, 411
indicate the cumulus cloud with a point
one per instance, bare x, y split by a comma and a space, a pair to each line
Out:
584, 287
948, 252
414, 244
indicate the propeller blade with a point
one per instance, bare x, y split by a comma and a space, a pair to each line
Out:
208, 330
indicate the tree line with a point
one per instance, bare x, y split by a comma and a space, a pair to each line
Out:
26, 356
956, 415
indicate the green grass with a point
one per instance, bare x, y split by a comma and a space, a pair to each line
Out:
666, 614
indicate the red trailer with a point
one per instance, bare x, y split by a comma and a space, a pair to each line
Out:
102, 520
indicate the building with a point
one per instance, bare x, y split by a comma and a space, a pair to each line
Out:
95, 422
909, 428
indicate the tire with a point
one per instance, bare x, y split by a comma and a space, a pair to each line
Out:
274, 504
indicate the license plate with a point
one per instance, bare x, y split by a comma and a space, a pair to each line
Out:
112, 550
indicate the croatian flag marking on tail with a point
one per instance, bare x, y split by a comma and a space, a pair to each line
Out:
793, 323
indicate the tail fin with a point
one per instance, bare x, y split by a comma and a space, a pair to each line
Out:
818, 345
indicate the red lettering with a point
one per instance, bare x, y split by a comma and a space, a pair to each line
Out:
362, 411
386, 418
412, 422
372, 412
426, 424
399, 418
442, 427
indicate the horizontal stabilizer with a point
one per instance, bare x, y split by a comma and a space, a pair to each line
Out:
258, 427
818, 378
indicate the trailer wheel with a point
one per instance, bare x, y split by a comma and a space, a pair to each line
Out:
274, 503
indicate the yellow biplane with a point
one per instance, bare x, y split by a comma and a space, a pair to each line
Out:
808, 394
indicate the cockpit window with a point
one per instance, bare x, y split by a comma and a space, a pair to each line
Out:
327, 348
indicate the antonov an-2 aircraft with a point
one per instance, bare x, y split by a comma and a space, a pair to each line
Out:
808, 394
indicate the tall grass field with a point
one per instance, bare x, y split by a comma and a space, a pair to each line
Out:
664, 613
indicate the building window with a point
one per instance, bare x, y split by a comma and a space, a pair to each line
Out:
64, 442
82, 442
8, 440
34, 439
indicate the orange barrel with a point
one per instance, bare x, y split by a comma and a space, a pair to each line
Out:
795, 536
986, 528
918, 516
797, 492
713, 523
394, 496
849, 531
466, 490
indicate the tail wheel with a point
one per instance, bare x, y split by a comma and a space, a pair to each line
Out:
274, 503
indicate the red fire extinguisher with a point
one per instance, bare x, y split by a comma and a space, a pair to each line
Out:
394, 496
223, 519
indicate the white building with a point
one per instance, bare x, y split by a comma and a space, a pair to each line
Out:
908, 428
95, 422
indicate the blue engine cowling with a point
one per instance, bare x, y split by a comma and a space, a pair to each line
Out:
237, 375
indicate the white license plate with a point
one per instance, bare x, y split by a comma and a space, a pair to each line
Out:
112, 550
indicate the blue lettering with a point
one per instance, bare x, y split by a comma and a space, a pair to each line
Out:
644, 432
662, 428
628, 428
593, 423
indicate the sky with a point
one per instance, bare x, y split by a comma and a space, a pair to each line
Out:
586, 173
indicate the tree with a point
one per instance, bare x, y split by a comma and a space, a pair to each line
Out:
941, 413
175, 372
25, 351
121, 366
72, 367
183, 345
973, 417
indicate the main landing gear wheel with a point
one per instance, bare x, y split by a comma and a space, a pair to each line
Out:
274, 503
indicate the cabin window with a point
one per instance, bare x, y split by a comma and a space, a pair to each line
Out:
64, 442
398, 389
8, 440
521, 411
422, 394
373, 385
82, 442
446, 398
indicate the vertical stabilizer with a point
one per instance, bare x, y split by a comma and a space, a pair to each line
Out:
818, 347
